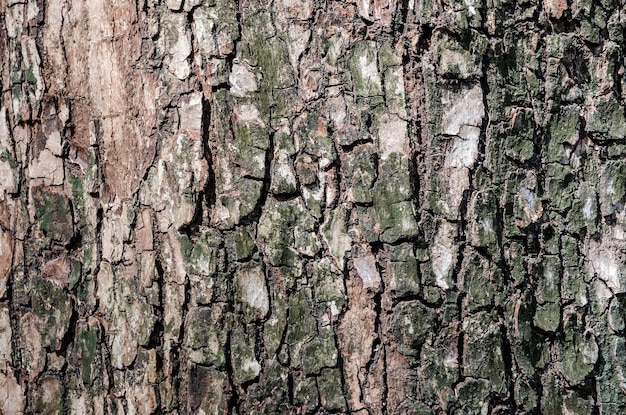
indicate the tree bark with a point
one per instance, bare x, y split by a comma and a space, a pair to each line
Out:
307, 206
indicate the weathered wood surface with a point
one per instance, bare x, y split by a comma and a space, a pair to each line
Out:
304, 206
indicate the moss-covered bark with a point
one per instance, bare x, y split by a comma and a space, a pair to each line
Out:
303, 206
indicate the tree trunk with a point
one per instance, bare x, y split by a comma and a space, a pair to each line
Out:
307, 206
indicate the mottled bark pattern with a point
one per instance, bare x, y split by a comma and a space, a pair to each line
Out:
308, 206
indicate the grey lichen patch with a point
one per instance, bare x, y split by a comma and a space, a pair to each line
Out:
329, 286
366, 268
443, 252
335, 235
578, 353
441, 361
471, 395
483, 355
242, 80
276, 230
394, 211
412, 324
360, 174
483, 210
209, 390
331, 392
616, 314
305, 393
457, 62
251, 290
246, 367
207, 342
405, 278
283, 176
612, 188
49, 395
54, 214
176, 43
241, 244
319, 353
606, 119
301, 322
482, 284
528, 205
54, 309
363, 67
548, 314
89, 337
520, 135
251, 142
202, 255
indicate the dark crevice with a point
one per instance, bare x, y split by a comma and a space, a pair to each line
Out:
417, 297
341, 365
209, 191
460, 354
346, 148
285, 197
233, 402
70, 334
425, 38
507, 360
255, 215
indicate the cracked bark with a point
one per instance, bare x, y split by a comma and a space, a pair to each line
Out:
302, 206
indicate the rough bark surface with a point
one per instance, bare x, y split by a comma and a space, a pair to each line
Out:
306, 206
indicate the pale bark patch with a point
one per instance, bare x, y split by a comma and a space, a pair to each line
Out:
366, 268
11, 394
443, 254
392, 136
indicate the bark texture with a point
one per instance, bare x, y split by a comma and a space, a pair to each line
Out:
308, 206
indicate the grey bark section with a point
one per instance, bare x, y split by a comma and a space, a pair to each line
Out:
302, 206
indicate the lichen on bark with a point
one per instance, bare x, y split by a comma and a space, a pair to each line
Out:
306, 206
